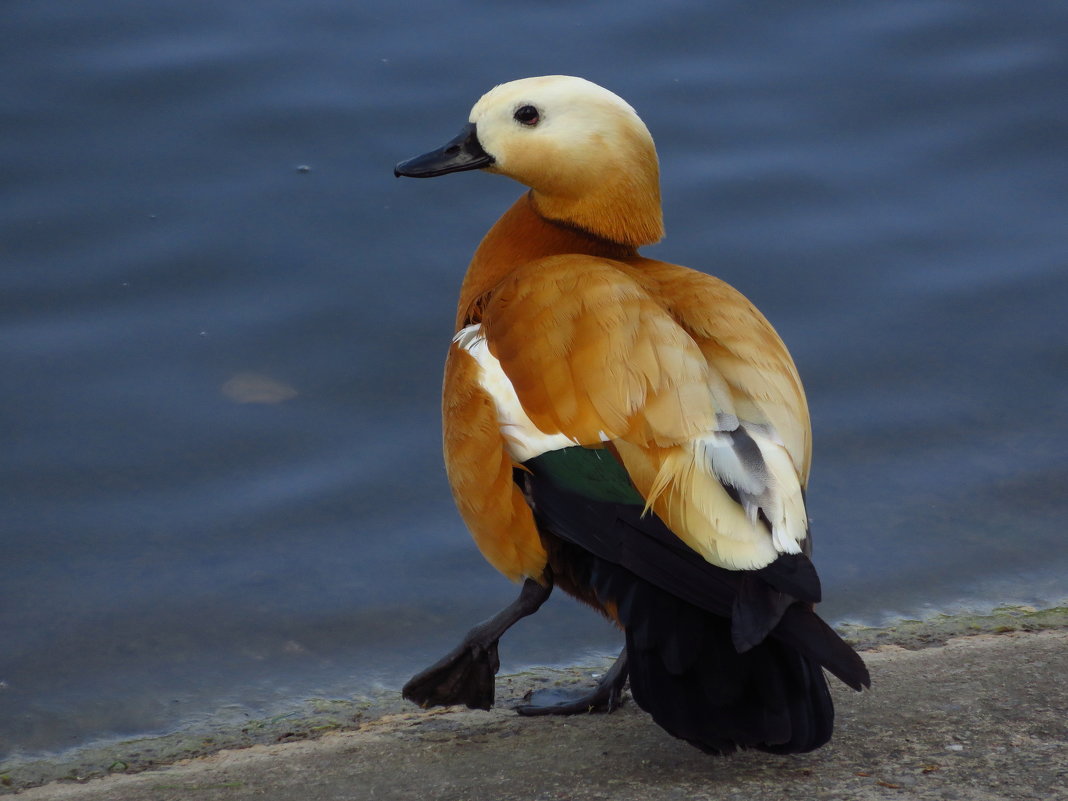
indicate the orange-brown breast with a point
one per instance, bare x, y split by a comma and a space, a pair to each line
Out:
520, 236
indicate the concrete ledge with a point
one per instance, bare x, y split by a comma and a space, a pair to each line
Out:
980, 717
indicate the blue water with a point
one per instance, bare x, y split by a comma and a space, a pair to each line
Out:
222, 320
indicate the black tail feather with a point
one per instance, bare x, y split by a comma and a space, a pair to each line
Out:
686, 672
803, 629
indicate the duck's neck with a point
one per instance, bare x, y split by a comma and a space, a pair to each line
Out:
620, 203
520, 236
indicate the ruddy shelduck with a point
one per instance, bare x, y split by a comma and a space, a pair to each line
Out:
632, 431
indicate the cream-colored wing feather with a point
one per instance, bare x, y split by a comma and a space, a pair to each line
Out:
743, 347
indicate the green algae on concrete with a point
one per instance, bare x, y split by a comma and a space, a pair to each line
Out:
939, 629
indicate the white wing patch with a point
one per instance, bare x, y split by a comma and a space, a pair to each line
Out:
525, 440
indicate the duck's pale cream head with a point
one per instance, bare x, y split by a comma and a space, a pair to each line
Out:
584, 151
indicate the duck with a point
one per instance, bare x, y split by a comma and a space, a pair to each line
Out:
632, 431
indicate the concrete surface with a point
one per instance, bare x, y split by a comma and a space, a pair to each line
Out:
979, 718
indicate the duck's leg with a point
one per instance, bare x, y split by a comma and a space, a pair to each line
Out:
465, 674
606, 696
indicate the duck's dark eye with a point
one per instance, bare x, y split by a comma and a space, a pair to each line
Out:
527, 115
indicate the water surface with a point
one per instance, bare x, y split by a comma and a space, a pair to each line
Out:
222, 320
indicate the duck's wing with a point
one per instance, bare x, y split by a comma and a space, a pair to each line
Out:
592, 357
589, 350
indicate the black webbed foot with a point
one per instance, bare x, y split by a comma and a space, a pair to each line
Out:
465, 674
606, 697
